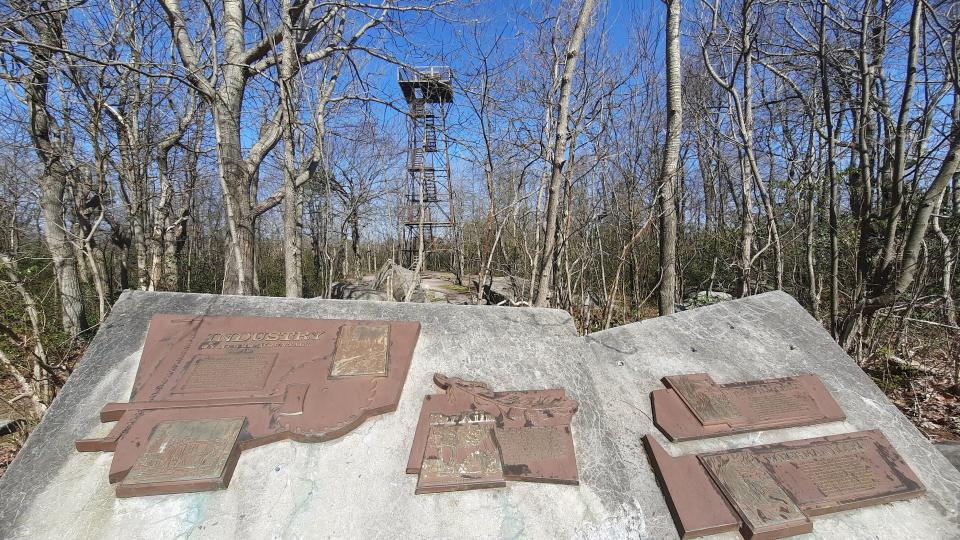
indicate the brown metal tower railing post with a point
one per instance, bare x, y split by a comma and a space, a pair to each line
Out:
428, 207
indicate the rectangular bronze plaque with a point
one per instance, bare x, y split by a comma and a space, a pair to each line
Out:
361, 350
776, 488
537, 454
226, 373
840, 472
695, 407
460, 454
760, 500
185, 455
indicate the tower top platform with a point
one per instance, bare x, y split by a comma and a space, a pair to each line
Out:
431, 84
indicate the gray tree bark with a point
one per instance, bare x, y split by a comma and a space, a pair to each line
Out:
556, 159
671, 164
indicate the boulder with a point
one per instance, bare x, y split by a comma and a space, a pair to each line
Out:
395, 281
355, 486
506, 290
704, 298
343, 290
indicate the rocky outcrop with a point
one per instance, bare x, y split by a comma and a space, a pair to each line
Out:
507, 290
395, 280
348, 291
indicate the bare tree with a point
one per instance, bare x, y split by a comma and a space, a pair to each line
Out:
556, 156
41, 33
671, 164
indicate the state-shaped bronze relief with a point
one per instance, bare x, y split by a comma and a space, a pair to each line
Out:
471, 437
772, 490
209, 387
695, 407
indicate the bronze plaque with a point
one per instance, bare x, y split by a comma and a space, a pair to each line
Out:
538, 454
361, 350
460, 454
840, 472
760, 500
199, 453
530, 431
695, 407
776, 488
225, 373
303, 379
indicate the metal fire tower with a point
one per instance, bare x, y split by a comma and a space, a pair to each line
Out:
428, 212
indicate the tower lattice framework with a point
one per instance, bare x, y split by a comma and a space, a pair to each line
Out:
428, 213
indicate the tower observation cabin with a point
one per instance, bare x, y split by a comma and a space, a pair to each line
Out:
428, 210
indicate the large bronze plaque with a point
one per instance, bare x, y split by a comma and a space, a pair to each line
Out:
530, 431
304, 379
776, 488
695, 407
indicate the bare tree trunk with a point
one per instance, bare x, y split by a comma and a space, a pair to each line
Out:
949, 307
918, 229
831, 175
544, 280
53, 181
671, 165
293, 193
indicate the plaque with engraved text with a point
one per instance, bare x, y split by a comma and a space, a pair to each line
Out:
529, 429
695, 407
302, 379
775, 488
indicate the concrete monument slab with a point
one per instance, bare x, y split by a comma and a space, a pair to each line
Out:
356, 486
761, 337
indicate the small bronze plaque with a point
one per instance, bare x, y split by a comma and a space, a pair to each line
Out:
361, 350
304, 379
185, 455
530, 431
537, 454
460, 455
759, 499
705, 399
776, 488
695, 407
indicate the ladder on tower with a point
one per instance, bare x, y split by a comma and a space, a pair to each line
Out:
416, 159
429, 134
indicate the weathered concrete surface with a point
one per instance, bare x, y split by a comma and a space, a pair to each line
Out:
355, 486
768, 335
952, 452
352, 487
